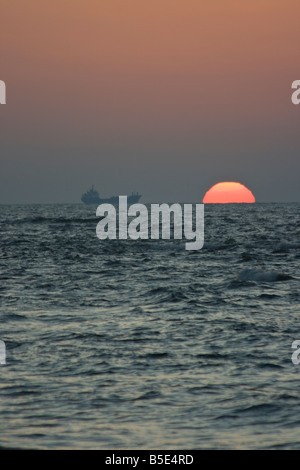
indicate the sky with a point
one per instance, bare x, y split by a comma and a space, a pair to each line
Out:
164, 97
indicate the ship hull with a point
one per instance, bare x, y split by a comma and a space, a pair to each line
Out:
133, 199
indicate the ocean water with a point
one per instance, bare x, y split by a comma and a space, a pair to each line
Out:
144, 345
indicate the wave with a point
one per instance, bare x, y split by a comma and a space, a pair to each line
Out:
55, 220
283, 247
262, 276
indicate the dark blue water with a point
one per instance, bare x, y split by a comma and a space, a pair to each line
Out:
144, 345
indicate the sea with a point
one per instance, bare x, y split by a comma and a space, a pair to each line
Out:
142, 344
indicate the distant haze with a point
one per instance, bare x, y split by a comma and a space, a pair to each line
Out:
164, 97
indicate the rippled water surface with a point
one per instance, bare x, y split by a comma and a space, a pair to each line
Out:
144, 345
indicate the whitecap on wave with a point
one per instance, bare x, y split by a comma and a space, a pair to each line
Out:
262, 276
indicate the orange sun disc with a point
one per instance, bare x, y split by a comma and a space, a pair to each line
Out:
228, 192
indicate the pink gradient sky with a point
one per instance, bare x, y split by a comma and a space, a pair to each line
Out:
165, 97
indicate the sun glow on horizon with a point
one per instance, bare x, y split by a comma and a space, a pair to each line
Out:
228, 192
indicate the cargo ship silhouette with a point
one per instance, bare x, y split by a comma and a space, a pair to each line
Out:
92, 197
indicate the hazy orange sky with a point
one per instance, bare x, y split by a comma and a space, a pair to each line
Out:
165, 97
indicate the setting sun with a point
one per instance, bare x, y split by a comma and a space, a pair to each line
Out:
228, 192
